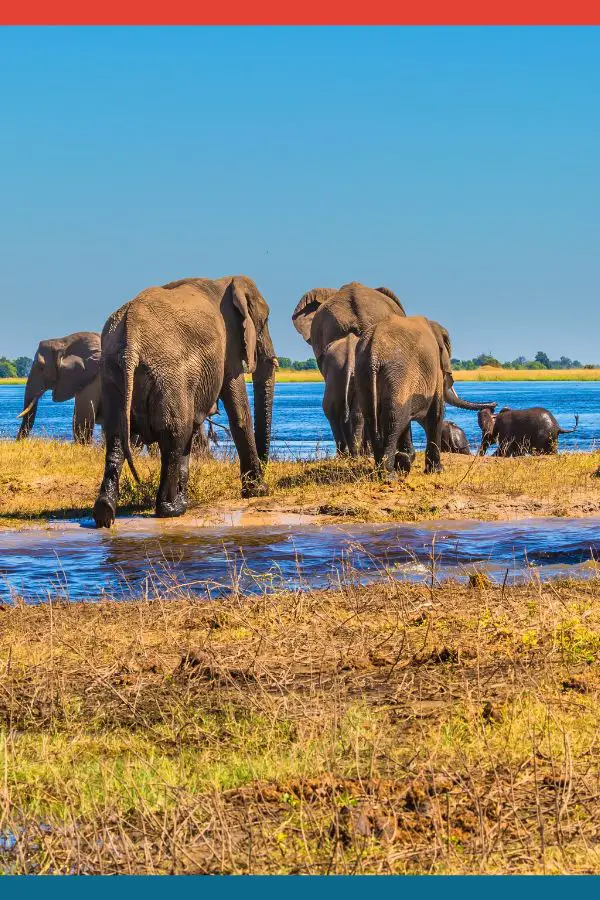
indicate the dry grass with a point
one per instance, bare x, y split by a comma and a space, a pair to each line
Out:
485, 373
42, 479
386, 729
492, 373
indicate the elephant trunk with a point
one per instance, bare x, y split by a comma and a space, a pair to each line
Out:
263, 383
452, 398
34, 389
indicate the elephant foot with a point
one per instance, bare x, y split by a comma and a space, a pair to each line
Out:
433, 468
254, 489
403, 464
104, 512
170, 510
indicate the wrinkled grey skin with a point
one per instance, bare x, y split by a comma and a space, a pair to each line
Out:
403, 373
454, 440
521, 431
167, 357
325, 315
340, 403
70, 368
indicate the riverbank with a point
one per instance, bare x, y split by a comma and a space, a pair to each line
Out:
387, 729
485, 373
43, 480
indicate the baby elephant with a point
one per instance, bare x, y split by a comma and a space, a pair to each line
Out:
521, 431
340, 403
454, 440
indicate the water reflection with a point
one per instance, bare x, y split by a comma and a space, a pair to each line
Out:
137, 558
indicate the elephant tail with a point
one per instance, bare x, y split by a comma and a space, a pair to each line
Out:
374, 402
130, 359
349, 374
570, 430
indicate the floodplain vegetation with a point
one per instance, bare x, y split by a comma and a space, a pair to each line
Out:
42, 480
390, 728
382, 729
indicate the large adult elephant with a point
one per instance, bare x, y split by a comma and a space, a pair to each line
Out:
70, 368
403, 373
325, 315
167, 357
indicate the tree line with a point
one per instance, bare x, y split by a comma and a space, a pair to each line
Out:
541, 360
15, 368
19, 367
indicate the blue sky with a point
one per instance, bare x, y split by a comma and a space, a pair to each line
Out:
460, 167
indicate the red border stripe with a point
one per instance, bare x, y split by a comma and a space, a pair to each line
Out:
300, 12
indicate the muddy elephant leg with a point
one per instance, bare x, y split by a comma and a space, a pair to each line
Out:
395, 428
171, 501
84, 414
338, 435
105, 507
353, 434
235, 401
433, 431
405, 452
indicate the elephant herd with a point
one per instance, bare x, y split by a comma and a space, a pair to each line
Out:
166, 358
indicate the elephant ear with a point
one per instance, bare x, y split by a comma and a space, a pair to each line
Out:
443, 339
240, 301
74, 374
388, 293
306, 307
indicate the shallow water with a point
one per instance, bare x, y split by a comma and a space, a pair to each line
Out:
300, 428
140, 556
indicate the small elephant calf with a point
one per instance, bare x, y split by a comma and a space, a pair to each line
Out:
454, 440
521, 431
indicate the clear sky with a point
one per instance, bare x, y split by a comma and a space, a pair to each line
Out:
460, 167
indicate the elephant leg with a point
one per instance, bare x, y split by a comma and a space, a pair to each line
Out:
84, 413
353, 431
396, 428
408, 446
235, 401
171, 501
405, 452
105, 507
433, 431
338, 435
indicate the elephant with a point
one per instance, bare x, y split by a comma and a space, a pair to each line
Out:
521, 431
454, 440
168, 355
70, 367
324, 315
403, 373
340, 403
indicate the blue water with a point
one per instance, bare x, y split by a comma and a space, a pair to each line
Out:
141, 557
300, 428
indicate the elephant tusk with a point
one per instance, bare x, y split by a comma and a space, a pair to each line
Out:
28, 408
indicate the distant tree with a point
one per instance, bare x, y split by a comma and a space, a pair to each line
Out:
23, 365
305, 365
486, 359
544, 359
7, 369
285, 362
